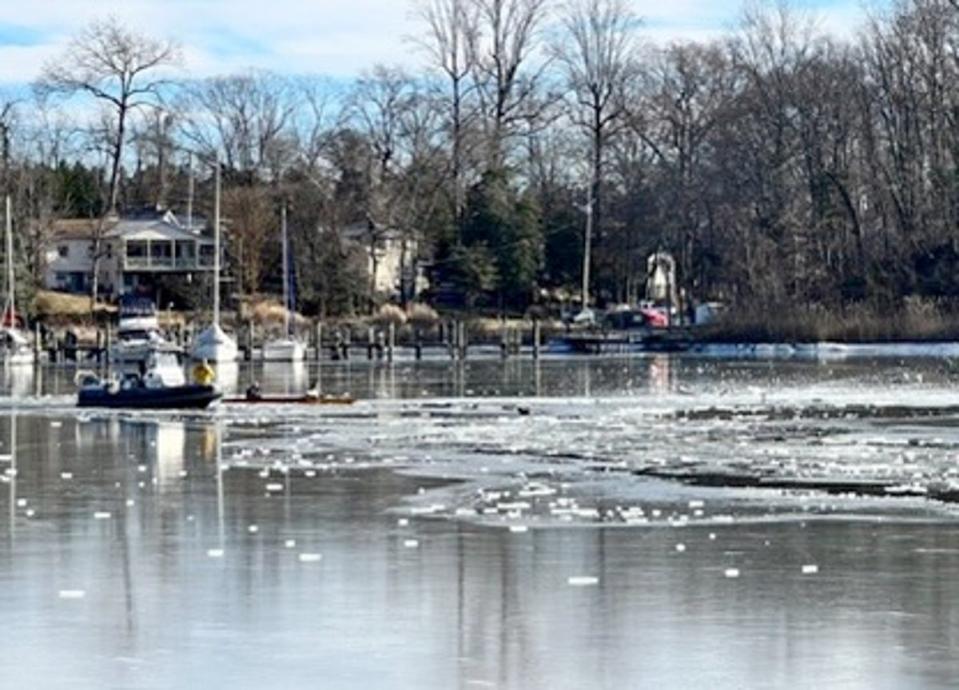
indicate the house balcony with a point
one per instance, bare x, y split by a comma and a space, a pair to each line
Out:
166, 256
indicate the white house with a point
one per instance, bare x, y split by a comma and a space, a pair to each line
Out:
134, 251
391, 259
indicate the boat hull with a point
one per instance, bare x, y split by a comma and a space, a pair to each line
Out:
284, 351
215, 346
193, 397
290, 400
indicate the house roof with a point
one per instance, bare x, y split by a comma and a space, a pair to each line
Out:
158, 226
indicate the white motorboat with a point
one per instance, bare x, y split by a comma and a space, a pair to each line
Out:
213, 344
15, 346
286, 348
140, 345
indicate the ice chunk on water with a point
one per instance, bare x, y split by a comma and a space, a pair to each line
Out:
731, 573
274, 487
583, 580
680, 548
518, 529
253, 529
102, 515
214, 553
66, 476
290, 543
410, 543
72, 594
810, 569
21, 503
310, 557
403, 522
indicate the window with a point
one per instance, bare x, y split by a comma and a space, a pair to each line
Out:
63, 250
61, 278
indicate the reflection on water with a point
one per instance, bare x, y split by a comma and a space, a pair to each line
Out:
162, 553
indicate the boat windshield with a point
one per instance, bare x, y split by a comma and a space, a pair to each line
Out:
166, 359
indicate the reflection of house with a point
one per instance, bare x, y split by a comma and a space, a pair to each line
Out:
134, 253
391, 260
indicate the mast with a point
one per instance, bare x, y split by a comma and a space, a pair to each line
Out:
189, 195
586, 249
216, 241
11, 287
286, 273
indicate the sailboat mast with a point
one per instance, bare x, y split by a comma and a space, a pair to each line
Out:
191, 188
286, 273
216, 245
11, 286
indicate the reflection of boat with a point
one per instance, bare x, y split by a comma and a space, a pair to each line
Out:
213, 344
287, 348
285, 377
190, 396
140, 344
292, 400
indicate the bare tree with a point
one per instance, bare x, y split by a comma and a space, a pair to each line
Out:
244, 117
119, 68
450, 42
116, 66
597, 53
506, 73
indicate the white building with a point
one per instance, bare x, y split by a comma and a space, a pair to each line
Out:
134, 252
391, 260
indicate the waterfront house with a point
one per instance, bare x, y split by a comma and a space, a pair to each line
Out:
134, 252
392, 267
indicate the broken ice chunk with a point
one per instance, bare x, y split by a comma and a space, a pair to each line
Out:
310, 557
582, 580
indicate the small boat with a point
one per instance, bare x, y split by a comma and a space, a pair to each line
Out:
131, 393
306, 399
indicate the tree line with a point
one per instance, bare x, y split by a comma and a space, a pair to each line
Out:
779, 164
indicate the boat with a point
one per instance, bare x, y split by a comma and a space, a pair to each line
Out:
213, 344
114, 394
306, 399
286, 348
140, 344
15, 346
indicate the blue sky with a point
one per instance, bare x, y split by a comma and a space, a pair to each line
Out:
335, 37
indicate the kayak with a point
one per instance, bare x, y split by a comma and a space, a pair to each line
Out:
291, 400
190, 396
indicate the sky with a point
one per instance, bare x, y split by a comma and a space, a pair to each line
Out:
337, 38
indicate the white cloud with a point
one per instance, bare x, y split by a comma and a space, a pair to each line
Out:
334, 37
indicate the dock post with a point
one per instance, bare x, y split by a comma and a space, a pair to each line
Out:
37, 342
536, 338
390, 341
107, 349
504, 340
463, 344
347, 340
451, 335
318, 334
370, 342
249, 341
417, 345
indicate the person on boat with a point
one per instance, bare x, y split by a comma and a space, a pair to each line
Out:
253, 392
204, 374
